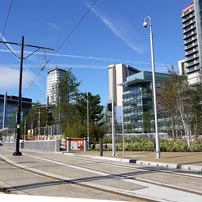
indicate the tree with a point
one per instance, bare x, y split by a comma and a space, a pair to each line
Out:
97, 131
32, 117
196, 95
180, 104
39, 116
68, 87
95, 110
67, 91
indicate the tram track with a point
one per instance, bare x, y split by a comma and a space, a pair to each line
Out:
65, 180
149, 168
125, 176
58, 159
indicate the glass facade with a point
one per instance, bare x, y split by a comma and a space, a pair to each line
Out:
138, 113
11, 110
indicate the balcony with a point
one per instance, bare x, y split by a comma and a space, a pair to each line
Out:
193, 63
190, 40
190, 28
190, 46
188, 53
192, 57
188, 23
190, 34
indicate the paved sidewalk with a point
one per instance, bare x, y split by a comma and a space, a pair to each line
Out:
191, 161
180, 160
30, 198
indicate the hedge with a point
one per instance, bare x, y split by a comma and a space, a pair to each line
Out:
169, 145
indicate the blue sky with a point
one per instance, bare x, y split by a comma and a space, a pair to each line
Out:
111, 33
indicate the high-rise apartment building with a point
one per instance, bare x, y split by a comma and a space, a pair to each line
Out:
52, 85
192, 31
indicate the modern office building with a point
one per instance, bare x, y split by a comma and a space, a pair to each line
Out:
138, 113
192, 32
117, 75
52, 85
8, 110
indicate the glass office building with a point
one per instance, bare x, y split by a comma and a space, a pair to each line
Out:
8, 110
138, 112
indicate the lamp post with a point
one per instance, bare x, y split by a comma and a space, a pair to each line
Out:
88, 128
145, 24
113, 112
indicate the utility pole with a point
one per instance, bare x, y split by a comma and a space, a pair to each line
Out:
4, 110
39, 124
88, 129
17, 151
59, 119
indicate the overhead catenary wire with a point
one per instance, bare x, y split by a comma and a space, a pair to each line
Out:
7, 46
8, 14
72, 31
33, 81
22, 58
75, 27
4, 29
63, 42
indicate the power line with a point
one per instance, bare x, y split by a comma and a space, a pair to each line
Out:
76, 26
4, 29
10, 49
65, 40
36, 77
5, 24
72, 31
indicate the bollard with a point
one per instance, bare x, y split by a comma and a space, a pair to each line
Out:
101, 147
57, 145
68, 144
85, 144
21, 144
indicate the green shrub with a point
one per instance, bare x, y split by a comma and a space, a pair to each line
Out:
169, 145
196, 146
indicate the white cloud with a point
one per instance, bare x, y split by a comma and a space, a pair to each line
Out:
9, 78
110, 60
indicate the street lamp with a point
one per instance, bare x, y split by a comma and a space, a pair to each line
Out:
145, 24
113, 111
88, 129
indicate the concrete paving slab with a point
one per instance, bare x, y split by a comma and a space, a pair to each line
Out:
139, 188
190, 161
20, 198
